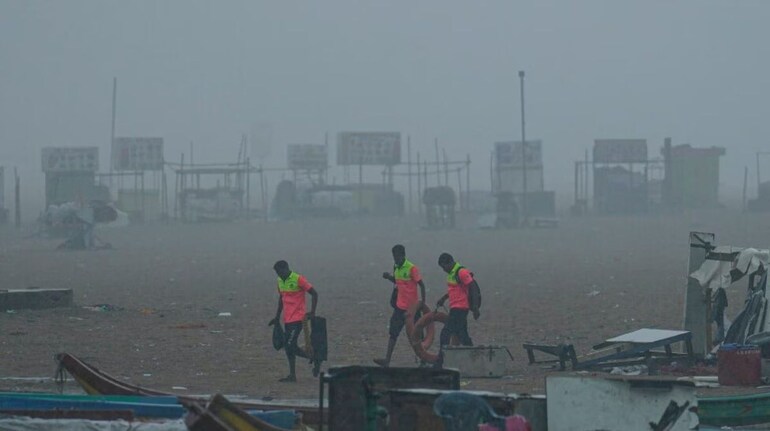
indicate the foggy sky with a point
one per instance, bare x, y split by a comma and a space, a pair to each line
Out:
697, 71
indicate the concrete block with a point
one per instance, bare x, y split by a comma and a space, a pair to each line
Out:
478, 361
21, 299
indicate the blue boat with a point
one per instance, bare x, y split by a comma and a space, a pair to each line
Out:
144, 407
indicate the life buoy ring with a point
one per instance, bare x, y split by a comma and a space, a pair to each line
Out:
426, 340
428, 320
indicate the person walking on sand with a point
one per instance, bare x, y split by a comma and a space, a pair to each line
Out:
406, 277
464, 296
292, 288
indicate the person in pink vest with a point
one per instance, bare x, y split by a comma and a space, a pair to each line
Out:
464, 296
292, 288
406, 278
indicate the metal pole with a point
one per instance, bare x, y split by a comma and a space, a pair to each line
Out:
164, 185
587, 176
182, 203
326, 168
112, 133
409, 169
17, 198
525, 211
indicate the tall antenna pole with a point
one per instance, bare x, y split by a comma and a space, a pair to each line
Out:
112, 134
525, 212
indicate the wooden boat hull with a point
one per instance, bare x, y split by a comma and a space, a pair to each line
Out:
97, 382
737, 410
147, 409
222, 415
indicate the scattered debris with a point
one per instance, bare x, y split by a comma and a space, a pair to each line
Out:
189, 326
102, 307
631, 370
225, 314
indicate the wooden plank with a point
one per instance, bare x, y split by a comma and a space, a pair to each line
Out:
646, 335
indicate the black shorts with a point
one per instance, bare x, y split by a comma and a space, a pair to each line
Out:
398, 320
291, 334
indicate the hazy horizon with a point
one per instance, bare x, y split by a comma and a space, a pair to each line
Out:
208, 72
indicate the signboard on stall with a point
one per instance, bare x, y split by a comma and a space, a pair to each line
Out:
137, 154
368, 148
510, 154
620, 150
2, 188
311, 157
508, 167
70, 159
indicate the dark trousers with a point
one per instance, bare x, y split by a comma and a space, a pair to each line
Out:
291, 331
398, 320
457, 324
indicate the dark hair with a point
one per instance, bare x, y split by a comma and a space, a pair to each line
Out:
398, 249
281, 264
445, 258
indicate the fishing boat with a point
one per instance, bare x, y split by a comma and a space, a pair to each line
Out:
97, 382
735, 410
137, 407
150, 407
222, 415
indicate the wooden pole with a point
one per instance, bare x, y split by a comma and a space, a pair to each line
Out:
577, 165
164, 185
460, 189
745, 185
446, 168
144, 212
248, 186
360, 187
419, 186
262, 190
468, 183
438, 163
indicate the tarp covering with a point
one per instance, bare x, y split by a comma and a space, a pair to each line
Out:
754, 318
29, 424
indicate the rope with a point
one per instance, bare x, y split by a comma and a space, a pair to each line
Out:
60, 377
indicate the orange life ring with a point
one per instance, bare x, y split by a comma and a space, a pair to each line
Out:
430, 330
426, 321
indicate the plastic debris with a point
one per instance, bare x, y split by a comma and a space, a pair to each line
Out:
102, 307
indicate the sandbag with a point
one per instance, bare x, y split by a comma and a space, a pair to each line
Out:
318, 338
278, 336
